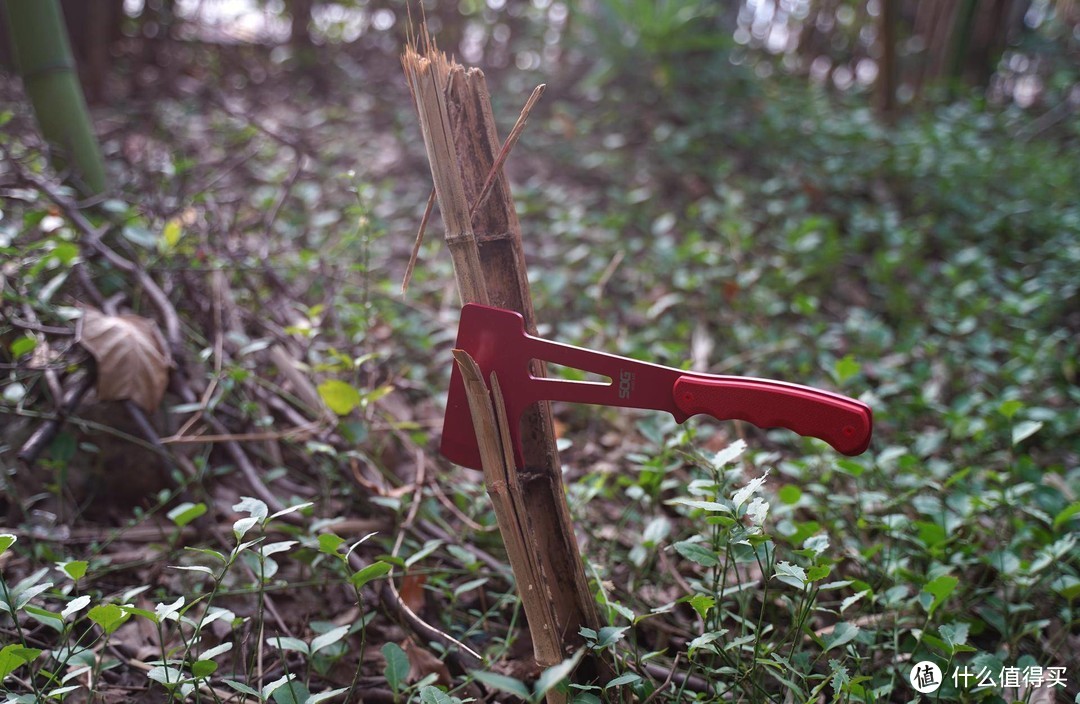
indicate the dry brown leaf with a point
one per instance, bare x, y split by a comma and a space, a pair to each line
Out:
423, 662
132, 359
412, 591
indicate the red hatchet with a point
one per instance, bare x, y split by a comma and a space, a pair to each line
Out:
497, 340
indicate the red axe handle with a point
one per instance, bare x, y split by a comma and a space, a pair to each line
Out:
844, 423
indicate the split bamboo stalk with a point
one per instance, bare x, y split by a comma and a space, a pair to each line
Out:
427, 76
485, 241
500, 478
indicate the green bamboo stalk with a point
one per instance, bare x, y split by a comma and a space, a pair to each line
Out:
43, 55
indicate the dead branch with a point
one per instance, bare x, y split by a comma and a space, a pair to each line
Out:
46, 432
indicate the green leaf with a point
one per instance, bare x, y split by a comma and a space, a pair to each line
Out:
287, 643
434, 695
109, 616
714, 506
14, 656
193, 568
372, 572
628, 678
1063, 517
1067, 586
790, 574
168, 676
291, 509
701, 603
428, 547
955, 636
186, 513
6, 541
552, 676
329, 544
850, 467
293, 692
696, 552
171, 234
22, 345
1024, 430
140, 235
274, 548
329, 638
502, 683
76, 569
469, 586
75, 606
216, 650
242, 526
846, 368
931, 534
256, 508
341, 398
842, 634
243, 689
938, 589
789, 494
656, 531
57, 693
1010, 408
397, 665
323, 696
751, 488
135, 611
705, 642
212, 553
165, 612
839, 677
853, 599
816, 544
729, 454
46, 617
269, 689
201, 669
610, 635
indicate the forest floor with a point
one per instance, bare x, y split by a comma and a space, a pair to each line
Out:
234, 543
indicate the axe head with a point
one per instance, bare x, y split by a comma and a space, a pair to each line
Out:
496, 339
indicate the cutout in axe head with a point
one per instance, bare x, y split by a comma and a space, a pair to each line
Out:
497, 340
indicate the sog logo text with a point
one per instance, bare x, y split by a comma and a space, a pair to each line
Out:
626, 384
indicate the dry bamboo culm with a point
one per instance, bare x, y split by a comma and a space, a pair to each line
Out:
484, 238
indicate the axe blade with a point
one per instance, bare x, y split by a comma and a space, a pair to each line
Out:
496, 339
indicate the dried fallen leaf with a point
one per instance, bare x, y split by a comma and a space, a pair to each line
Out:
412, 591
132, 359
423, 662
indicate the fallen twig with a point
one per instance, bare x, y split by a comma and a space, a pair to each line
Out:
36, 443
93, 237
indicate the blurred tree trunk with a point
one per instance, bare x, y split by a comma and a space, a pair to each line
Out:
991, 29
964, 39
93, 27
305, 53
919, 43
888, 71
300, 33
44, 58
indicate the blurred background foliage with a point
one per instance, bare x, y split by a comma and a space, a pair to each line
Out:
1020, 51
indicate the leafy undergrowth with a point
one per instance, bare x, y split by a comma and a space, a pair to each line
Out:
241, 547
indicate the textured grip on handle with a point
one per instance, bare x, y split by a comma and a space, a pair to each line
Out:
843, 422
